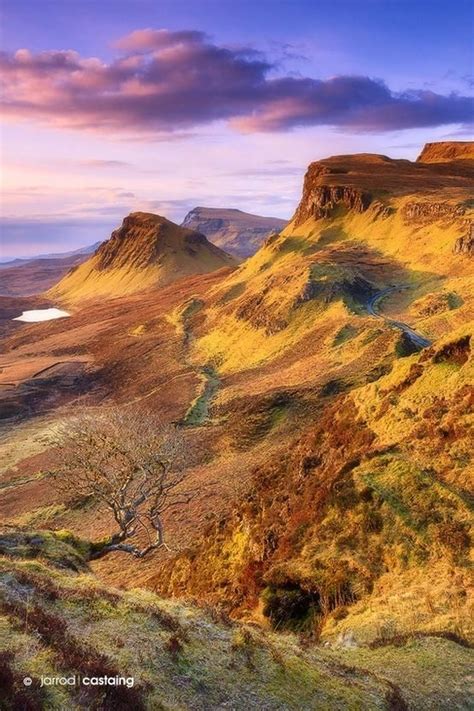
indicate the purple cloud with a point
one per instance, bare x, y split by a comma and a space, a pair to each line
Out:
164, 82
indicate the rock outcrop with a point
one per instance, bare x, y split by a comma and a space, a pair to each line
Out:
465, 244
146, 250
365, 182
321, 194
321, 201
421, 211
238, 233
445, 151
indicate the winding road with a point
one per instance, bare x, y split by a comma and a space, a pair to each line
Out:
417, 340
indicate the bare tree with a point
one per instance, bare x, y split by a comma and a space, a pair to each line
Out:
132, 463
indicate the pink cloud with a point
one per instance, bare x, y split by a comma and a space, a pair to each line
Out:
164, 82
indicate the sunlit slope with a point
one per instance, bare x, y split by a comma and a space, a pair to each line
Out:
361, 524
364, 223
147, 250
58, 620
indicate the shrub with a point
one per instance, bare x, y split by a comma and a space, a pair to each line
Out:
290, 606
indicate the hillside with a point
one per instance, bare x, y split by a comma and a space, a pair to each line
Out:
324, 389
147, 250
234, 231
364, 224
183, 656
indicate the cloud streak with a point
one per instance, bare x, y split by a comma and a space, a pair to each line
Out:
163, 83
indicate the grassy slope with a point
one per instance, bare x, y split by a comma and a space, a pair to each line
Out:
367, 511
325, 253
59, 620
358, 501
374, 488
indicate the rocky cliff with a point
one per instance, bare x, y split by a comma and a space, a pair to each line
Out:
363, 182
146, 250
446, 151
239, 233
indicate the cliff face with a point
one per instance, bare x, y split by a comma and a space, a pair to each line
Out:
446, 151
146, 250
239, 233
363, 182
142, 239
320, 201
426, 210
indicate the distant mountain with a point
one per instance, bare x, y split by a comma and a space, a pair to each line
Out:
53, 255
25, 277
239, 233
147, 250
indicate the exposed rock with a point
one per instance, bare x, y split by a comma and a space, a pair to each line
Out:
239, 233
146, 250
367, 181
320, 201
380, 211
445, 151
465, 244
423, 211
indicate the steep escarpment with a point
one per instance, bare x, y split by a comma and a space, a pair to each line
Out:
445, 151
147, 250
355, 181
239, 233
362, 220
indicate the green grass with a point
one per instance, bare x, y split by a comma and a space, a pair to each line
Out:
56, 621
198, 411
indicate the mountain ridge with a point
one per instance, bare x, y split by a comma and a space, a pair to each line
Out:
238, 232
146, 250
34, 276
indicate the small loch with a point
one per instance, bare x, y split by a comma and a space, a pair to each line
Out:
41, 315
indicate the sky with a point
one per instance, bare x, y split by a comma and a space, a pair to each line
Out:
113, 106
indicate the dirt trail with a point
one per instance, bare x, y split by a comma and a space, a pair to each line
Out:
416, 338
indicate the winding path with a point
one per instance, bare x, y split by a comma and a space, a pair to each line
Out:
418, 340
